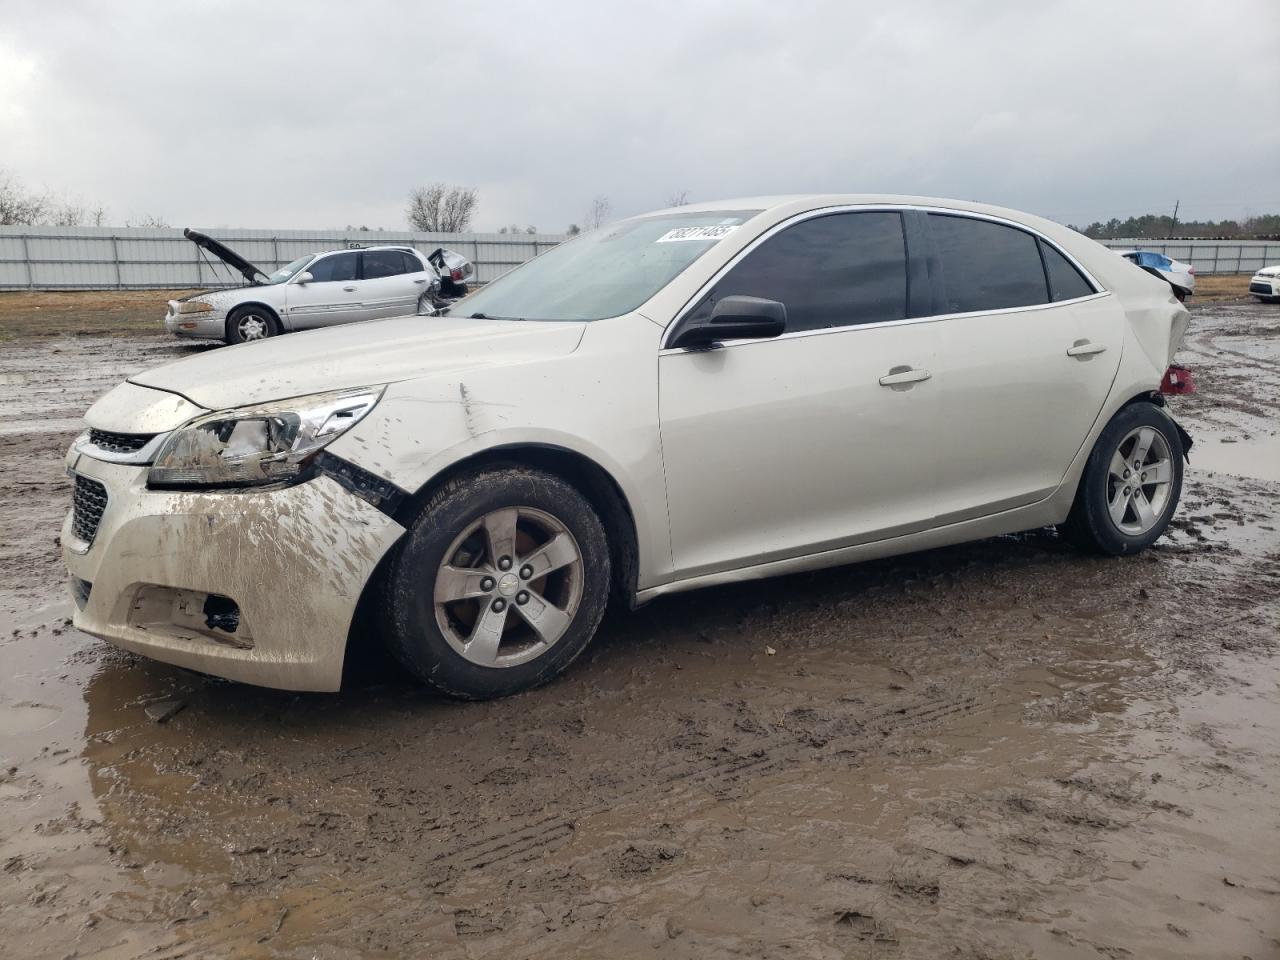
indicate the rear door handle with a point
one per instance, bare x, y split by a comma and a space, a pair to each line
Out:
900, 375
423, 280
1083, 348
349, 289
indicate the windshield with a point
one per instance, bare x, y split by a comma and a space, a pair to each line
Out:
604, 273
286, 273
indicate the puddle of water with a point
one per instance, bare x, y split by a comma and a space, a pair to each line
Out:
1257, 458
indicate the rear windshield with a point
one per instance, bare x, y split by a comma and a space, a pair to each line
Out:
604, 273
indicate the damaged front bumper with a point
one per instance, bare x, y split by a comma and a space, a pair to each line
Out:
258, 586
202, 326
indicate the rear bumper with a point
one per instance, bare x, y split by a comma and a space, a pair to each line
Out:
294, 560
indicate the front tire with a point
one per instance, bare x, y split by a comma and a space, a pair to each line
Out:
246, 324
1131, 483
499, 585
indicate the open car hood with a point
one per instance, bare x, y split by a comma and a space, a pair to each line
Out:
225, 254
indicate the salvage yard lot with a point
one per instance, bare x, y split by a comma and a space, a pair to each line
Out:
1000, 749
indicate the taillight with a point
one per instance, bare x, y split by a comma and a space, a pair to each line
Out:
456, 276
1191, 270
1178, 379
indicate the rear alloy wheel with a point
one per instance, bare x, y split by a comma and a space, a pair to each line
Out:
500, 583
250, 323
1131, 483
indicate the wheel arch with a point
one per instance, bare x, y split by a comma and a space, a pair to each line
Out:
602, 491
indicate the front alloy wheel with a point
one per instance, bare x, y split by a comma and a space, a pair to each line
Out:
508, 587
499, 584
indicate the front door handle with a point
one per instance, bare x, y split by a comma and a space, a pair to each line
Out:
901, 375
1083, 348
349, 289
423, 280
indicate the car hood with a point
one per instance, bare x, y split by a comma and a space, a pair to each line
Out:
1268, 272
356, 355
225, 254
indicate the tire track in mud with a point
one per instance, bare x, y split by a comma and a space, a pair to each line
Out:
524, 840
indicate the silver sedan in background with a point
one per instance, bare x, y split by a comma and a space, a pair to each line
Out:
318, 290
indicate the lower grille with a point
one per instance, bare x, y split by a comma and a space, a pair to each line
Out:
87, 504
1259, 287
119, 442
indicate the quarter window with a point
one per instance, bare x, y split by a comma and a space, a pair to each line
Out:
339, 266
1065, 281
987, 266
388, 263
831, 271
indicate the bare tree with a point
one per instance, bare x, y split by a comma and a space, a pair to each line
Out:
679, 198
598, 215
18, 205
573, 230
531, 229
441, 208
147, 220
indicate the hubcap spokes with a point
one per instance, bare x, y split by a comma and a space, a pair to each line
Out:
253, 328
1139, 481
519, 560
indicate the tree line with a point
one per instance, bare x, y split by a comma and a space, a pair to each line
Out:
1155, 226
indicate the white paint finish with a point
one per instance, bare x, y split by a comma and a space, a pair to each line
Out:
775, 448
295, 560
130, 408
1014, 405
357, 355
757, 458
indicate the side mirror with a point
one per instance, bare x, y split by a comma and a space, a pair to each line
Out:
304, 277
735, 318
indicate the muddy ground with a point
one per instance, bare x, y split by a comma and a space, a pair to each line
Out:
1005, 749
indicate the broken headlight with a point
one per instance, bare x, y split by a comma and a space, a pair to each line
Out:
252, 446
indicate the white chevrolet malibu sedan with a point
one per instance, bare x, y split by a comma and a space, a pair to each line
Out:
701, 395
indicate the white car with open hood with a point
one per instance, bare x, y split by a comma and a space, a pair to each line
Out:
317, 290
706, 394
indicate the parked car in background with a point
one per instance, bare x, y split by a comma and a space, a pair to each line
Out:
703, 395
318, 290
1265, 284
1181, 276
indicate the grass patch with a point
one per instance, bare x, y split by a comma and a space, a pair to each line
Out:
26, 314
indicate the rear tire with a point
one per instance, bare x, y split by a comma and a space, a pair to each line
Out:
1131, 484
246, 324
500, 583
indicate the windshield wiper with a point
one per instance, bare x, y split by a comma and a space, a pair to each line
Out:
485, 316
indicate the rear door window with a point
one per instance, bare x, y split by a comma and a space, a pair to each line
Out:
830, 271
338, 266
987, 266
387, 263
1065, 281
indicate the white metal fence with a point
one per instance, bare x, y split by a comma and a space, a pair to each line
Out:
104, 258
1210, 256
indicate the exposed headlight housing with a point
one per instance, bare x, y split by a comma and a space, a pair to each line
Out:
255, 446
195, 306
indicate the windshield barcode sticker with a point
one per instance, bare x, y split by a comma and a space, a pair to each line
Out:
715, 232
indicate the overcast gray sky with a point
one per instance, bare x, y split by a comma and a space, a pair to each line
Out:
324, 113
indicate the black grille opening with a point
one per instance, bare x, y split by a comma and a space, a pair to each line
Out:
88, 502
1260, 287
119, 442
